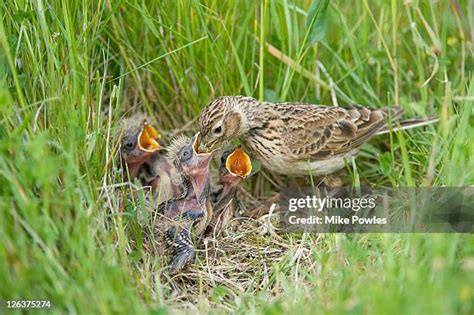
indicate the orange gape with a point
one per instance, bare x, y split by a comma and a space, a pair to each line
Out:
238, 163
147, 139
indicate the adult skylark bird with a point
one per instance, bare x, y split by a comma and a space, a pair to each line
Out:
294, 138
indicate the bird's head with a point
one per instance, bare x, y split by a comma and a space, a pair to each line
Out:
190, 161
223, 119
138, 142
235, 166
187, 157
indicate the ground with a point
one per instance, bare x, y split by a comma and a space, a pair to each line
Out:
71, 70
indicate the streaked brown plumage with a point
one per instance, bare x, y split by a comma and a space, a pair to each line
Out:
293, 138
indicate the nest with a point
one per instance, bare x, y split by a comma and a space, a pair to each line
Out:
240, 259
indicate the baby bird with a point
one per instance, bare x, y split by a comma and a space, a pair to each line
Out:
293, 138
186, 215
138, 143
234, 168
143, 157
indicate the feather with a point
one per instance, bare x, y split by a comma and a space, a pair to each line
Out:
175, 146
133, 123
408, 124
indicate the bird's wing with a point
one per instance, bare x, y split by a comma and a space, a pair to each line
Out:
318, 132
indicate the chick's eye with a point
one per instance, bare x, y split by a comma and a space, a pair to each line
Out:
129, 145
218, 130
186, 154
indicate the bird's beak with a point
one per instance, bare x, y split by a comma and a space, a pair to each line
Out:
238, 163
200, 149
199, 165
147, 139
206, 145
199, 162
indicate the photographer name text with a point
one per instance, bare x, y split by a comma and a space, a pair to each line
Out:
310, 204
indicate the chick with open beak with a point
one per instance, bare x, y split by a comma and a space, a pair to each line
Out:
143, 158
234, 168
185, 216
139, 141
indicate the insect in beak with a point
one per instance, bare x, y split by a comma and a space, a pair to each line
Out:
202, 149
200, 160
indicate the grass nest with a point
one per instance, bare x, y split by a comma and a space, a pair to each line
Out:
243, 258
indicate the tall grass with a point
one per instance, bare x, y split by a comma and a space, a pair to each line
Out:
71, 69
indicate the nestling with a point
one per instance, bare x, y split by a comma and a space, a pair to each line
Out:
235, 166
143, 157
139, 141
184, 217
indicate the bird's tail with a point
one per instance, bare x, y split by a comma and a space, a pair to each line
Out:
394, 112
398, 124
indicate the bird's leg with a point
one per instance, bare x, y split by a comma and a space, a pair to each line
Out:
332, 180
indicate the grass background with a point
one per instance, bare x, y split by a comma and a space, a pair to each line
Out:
69, 70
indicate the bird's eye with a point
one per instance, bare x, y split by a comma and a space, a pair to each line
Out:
186, 154
217, 130
223, 159
129, 145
